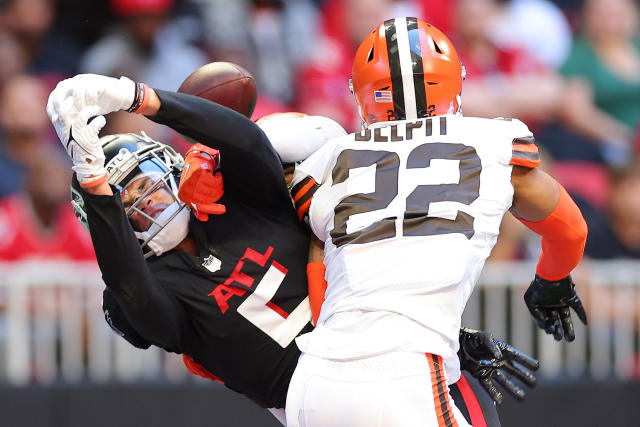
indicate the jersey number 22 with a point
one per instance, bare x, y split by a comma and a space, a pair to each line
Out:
453, 173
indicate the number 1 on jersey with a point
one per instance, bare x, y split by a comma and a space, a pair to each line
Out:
267, 317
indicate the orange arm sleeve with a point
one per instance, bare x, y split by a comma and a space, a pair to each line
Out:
564, 234
317, 287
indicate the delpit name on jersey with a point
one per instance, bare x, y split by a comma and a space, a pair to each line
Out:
403, 131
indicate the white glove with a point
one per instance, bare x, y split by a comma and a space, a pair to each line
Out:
70, 106
108, 93
85, 150
89, 95
60, 108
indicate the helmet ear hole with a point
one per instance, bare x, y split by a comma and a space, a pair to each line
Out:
435, 45
370, 57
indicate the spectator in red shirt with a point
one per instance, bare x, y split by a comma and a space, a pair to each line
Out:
39, 222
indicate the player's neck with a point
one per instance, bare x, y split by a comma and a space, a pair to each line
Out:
188, 245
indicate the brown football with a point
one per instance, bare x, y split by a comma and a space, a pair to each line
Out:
224, 83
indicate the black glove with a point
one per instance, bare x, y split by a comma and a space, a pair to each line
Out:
549, 302
491, 361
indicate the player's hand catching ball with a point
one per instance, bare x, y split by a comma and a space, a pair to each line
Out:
492, 361
107, 93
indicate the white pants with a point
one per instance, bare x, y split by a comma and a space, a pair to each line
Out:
390, 390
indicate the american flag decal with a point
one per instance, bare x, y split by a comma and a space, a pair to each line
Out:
383, 96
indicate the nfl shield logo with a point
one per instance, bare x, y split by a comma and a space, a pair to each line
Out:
382, 96
212, 263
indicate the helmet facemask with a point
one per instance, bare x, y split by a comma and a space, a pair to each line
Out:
130, 159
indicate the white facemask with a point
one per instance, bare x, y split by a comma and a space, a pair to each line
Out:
172, 233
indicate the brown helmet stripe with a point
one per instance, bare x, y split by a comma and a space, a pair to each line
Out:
394, 67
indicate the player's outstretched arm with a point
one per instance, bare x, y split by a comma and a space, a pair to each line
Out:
242, 143
492, 361
544, 206
249, 164
121, 261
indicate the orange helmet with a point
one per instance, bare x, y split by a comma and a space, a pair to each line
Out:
406, 69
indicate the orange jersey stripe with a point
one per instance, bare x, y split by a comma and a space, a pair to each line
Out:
436, 394
448, 411
517, 161
528, 148
440, 394
303, 209
304, 190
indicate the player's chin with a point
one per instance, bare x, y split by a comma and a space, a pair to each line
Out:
141, 225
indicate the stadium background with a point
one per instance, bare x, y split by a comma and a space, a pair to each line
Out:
569, 68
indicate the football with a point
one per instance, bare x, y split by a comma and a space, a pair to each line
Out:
224, 83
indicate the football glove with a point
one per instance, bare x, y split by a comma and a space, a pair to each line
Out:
492, 361
60, 108
549, 303
86, 152
107, 93
201, 182
83, 147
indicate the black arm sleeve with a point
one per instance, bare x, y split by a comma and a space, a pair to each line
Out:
250, 166
155, 315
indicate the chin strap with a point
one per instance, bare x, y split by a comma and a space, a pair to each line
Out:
171, 229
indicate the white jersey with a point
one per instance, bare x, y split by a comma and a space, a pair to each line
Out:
409, 212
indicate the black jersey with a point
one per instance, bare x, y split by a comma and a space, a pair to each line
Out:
237, 306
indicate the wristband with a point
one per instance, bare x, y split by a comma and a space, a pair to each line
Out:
95, 182
140, 99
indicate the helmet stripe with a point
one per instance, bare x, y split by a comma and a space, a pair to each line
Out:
406, 68
395, 69
418, 71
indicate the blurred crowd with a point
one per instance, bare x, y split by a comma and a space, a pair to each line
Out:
570, 69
